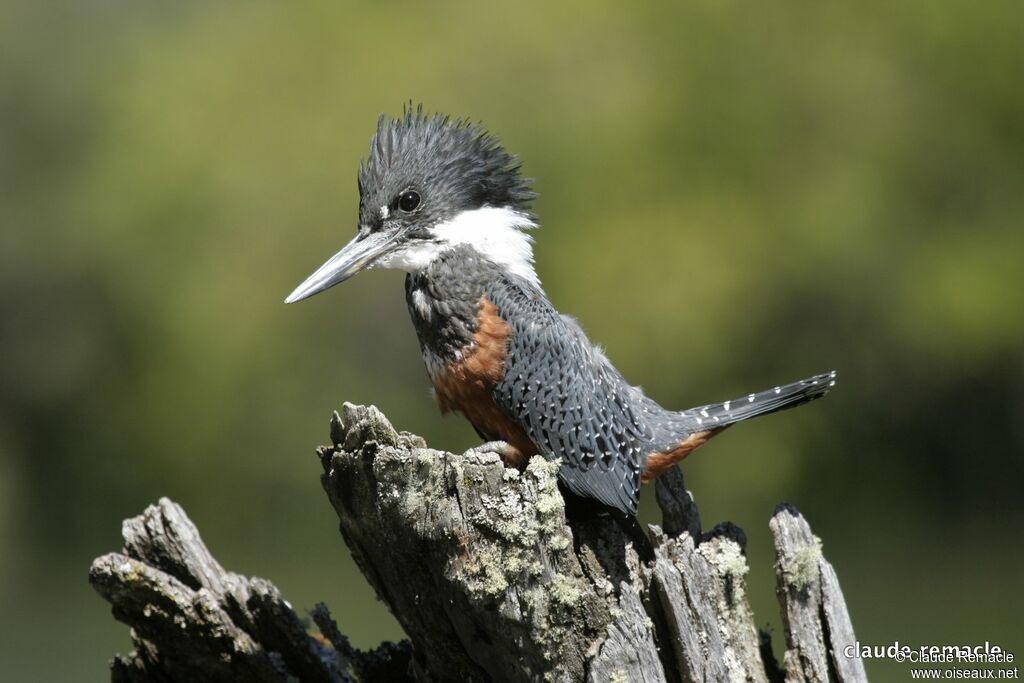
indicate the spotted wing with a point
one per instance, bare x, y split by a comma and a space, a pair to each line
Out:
569, 399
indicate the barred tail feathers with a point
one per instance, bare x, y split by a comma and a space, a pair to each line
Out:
716, 415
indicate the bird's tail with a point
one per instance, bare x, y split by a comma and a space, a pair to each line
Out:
718, 415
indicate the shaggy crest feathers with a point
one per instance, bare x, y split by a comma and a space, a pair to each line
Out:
454, 153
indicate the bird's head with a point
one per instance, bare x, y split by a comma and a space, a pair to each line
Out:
431, 184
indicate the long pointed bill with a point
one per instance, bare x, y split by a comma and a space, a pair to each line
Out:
354, 257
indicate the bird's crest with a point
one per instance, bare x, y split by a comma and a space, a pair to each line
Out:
448, 152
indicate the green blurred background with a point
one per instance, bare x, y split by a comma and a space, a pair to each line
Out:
732, 197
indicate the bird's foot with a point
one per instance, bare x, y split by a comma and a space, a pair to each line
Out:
509, 454
499, 447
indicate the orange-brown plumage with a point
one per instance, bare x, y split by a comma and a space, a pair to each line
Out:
659, 462
466, 385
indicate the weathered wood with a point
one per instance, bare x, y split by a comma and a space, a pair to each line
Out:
678, 509
192, 620
487, 579
818, 627
702, 592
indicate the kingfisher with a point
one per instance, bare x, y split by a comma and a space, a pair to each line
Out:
441, 199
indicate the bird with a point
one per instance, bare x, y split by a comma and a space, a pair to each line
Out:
441, 199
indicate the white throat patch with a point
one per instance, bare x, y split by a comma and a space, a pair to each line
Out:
497, 234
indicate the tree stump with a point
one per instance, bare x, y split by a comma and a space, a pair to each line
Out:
487, 580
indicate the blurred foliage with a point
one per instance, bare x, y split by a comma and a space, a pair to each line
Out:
732, 196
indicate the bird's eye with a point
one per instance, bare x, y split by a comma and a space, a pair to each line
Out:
409, 200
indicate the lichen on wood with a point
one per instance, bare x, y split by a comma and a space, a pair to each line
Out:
488, 580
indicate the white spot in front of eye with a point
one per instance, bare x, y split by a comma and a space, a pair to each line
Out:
384, 212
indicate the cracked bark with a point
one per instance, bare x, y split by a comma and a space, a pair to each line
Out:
486, 578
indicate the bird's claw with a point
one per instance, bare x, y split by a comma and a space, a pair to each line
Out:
501, 448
